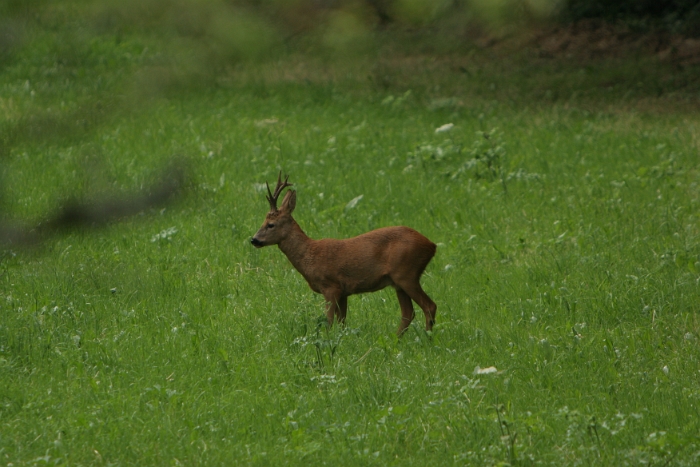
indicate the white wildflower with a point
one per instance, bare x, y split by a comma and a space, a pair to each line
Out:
266, 122
164, 234
485, 371
444, 128
353, 202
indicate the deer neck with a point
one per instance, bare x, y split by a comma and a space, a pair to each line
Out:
296, 247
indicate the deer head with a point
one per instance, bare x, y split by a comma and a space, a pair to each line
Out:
278, 222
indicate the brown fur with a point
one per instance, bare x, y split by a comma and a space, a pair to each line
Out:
390, 256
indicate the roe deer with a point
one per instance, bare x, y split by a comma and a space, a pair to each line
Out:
390, 256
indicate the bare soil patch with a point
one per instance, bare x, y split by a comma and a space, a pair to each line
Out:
600, 40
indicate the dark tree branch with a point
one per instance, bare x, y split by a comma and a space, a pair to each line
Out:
96, 212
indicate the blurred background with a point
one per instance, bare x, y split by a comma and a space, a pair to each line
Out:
196, 42
67, 67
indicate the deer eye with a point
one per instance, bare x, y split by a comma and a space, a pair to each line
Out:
270, 225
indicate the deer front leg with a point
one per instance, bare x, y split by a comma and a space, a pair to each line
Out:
342, 309
336, 307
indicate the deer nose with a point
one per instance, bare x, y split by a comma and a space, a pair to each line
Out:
256, 242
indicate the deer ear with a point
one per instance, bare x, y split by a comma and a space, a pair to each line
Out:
289, 202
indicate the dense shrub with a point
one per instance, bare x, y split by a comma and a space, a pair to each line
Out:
680, 16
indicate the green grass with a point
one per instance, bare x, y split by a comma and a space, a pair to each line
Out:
571, 265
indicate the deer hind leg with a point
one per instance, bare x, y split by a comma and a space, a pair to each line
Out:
415, 291
407, 313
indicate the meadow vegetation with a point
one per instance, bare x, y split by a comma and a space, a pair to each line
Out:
563, 198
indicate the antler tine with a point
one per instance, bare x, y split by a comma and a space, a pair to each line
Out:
272, 197
281, 185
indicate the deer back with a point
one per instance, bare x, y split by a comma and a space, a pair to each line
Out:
365, 263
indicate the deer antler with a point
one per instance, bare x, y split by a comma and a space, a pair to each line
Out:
272, 197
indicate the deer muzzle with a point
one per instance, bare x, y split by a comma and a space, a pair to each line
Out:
256, 243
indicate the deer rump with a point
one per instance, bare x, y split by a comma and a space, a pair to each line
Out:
369, 262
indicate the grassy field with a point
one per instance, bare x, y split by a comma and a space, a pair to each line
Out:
564, 202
